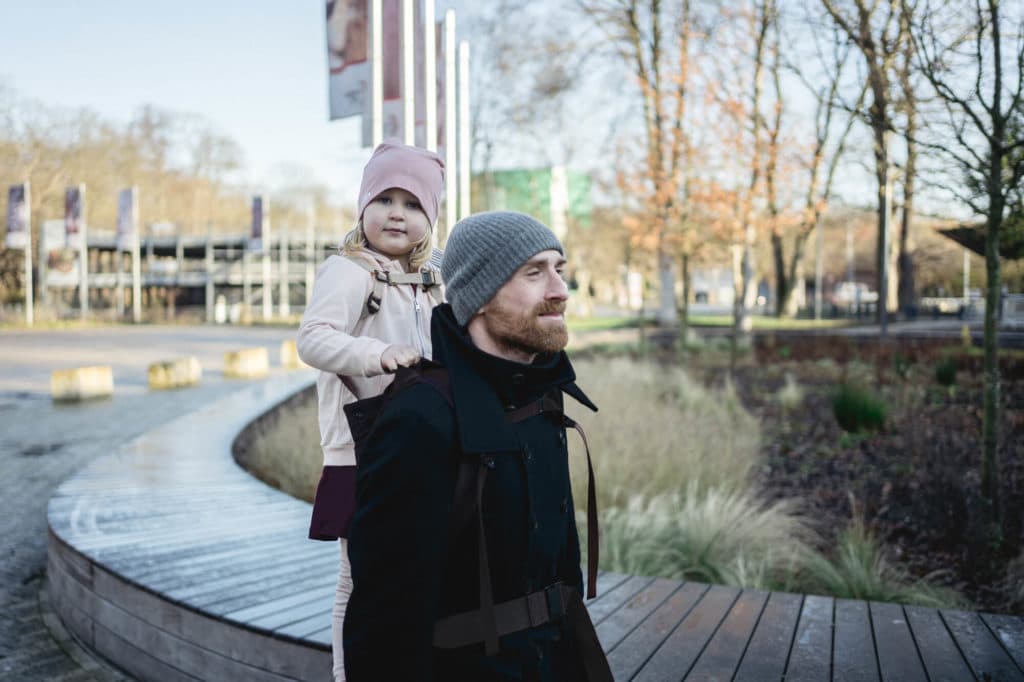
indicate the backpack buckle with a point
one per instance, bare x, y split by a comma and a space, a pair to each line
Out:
556, 602
382, 276
429, 279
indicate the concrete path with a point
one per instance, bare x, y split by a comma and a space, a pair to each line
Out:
41, 444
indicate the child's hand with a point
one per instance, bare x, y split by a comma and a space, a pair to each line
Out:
394, 357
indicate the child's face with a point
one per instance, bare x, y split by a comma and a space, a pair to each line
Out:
394, 223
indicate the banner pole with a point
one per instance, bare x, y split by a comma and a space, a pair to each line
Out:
408, 73
430, 75
463, 129
376, 75
450, 130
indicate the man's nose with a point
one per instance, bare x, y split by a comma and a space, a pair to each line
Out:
557, 288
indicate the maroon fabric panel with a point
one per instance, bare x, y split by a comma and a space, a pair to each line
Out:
334, 503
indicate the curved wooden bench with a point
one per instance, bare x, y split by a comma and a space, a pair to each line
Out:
173, 563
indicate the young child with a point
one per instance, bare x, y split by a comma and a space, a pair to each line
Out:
367, 318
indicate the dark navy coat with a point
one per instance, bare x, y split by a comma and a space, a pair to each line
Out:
407, 572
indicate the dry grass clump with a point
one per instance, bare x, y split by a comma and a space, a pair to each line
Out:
790, 396
672, 460
657, 431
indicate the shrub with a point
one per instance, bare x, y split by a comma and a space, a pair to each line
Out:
657, 430
857, 409
715, 536
861, 571
791, 395
945, 372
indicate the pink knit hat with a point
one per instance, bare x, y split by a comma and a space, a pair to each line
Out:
417, 171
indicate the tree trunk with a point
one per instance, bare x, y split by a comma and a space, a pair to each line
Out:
684, 309
990, 420
667, 293
783, 285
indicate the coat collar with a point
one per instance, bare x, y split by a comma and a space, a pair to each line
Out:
484, 386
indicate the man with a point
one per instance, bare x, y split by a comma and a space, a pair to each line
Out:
427, 603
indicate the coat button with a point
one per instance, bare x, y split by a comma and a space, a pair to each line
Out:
527, 453
518, 379
561, 437
534, 523
489, 462
564, 507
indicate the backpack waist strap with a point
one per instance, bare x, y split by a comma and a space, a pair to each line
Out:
530, 611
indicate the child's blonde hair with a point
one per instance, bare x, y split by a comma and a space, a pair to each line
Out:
356, 240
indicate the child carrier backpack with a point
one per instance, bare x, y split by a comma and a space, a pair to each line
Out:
553, 604
429, 279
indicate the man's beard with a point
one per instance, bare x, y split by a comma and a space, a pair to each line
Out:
524, 332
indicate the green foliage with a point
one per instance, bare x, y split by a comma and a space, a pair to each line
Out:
901, 365
945, 372
857, 409
859, 570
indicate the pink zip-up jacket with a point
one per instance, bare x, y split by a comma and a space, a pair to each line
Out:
333, 339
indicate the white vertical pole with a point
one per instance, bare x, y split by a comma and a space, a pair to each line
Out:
267, 289
282, 284
210, 290
376, 74
83, 266
463, 129
30, 315
408, 73
310, 252
136, 260
430, 75
450, 147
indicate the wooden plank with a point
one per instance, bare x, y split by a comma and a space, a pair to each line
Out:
982, 650
897, 651
722, 655
622, 621
628, 657
1009, 630
239, 601
135, 661
606, 604
674, 658
854, 658
303, 661
939, 653
768, 650
811, 655
307, 626
250, 614
280, 619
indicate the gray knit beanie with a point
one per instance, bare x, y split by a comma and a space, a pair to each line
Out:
484, 251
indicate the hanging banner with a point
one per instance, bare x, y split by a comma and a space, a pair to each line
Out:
348, 82
260, 210
127, 218
74, 197
18, 214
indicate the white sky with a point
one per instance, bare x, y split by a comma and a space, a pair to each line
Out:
255, 69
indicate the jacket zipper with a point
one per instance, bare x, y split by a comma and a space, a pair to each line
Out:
416, 316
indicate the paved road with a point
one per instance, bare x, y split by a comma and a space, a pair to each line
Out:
41, 444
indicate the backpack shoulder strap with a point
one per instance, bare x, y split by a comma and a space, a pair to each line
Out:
376, 295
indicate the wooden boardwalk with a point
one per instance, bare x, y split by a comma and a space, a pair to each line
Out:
173, 563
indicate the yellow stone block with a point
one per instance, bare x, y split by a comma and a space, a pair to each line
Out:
176, 373
81, 383
247, 363
290, 356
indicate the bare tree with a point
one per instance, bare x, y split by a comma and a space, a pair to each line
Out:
822, 162
654, 41
975, 65
877, 30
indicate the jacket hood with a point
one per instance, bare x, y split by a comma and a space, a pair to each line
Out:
485, 386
